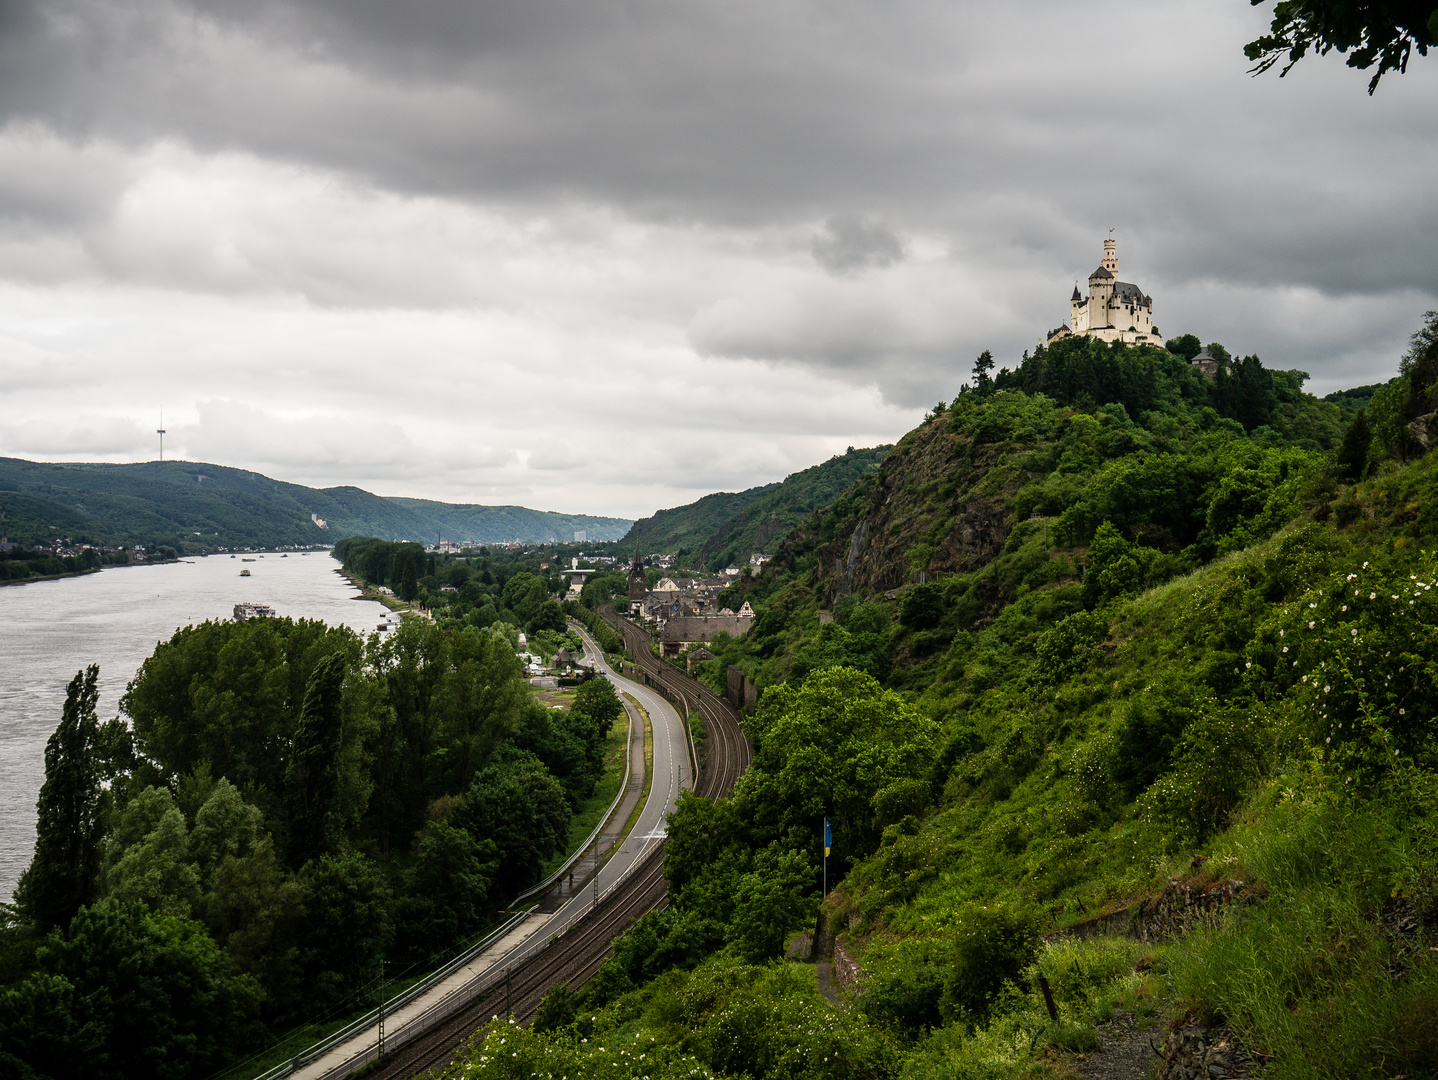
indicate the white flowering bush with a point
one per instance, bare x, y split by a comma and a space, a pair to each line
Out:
508, 1051
1353, 665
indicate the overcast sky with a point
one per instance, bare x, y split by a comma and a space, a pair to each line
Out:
610, 255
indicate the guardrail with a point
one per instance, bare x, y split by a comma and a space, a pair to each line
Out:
371, 1018
548, 883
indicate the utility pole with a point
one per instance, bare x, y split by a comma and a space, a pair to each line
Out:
381, 1008
160, 431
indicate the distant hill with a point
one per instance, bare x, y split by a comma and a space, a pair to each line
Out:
687, 528
725, 528
201, 505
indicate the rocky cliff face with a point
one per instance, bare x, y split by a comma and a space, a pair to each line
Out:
938, 504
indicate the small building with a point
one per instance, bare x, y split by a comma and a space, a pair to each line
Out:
694, 657
1207, 364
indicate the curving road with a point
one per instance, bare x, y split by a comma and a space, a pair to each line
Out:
640, 850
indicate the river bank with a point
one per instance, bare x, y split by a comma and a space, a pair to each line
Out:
115, 620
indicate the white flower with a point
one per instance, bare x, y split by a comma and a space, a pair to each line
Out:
1402, 712
1247, 666
1326, 689
1285, 648
1310, 626
1343, 608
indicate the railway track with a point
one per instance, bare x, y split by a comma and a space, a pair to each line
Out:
572, 957
727, 748
569, 959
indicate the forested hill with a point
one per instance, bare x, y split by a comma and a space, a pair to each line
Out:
192, 505
1117, 688
721, 529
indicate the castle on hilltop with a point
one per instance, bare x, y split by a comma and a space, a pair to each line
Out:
1113, 311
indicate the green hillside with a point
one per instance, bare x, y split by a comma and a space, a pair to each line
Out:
192, 505
687, 528
1125, 688
764, 522
721, 529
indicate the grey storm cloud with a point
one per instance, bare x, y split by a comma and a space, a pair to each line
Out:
787, 225
850, 243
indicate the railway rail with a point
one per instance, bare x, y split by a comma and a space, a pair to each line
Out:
573, 956
727, 748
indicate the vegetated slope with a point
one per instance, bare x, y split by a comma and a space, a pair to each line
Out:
197, 505
1081, 655
687, 528
766, 520
726, 527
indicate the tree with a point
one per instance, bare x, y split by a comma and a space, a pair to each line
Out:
1419, 368
922, 606
597, 700
825, 749
1382, 32
312, 776
1185, 345
446, 891
347, 923
517, 803
1352, 458
983, 382
770, 904
147, 995
61, 876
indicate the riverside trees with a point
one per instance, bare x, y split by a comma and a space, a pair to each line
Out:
287, 805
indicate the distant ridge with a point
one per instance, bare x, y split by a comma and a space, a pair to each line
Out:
202, 505
728, 527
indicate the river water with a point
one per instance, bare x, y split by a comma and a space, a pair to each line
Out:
115, 618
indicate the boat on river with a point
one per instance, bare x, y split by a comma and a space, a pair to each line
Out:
245, 572
253, 611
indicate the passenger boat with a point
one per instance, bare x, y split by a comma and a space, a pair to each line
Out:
245, 572
253, 611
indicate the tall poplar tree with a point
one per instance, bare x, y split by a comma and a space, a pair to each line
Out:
312, 777
61, 877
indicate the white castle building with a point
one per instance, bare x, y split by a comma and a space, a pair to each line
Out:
1113, 311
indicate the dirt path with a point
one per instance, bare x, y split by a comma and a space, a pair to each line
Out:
1126, 1052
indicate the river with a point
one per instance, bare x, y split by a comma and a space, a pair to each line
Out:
115, 618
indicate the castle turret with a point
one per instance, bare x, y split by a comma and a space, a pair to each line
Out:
1110, 257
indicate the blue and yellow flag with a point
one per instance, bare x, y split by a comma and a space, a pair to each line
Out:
828, 838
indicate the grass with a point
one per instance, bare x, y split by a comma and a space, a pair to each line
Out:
648, 767
589, 812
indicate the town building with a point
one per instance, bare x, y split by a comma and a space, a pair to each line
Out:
1114, 310
676, 634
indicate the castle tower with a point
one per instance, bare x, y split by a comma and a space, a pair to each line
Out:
1110, 257
1078, 311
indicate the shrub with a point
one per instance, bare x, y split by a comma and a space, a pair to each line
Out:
994, 944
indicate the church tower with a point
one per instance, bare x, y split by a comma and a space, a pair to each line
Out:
638, 584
